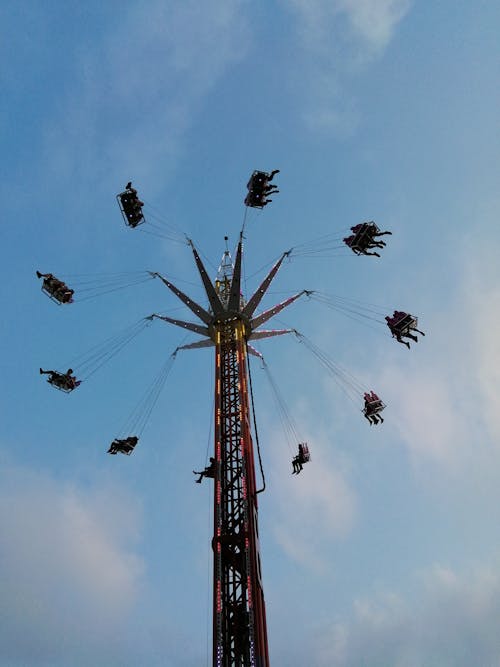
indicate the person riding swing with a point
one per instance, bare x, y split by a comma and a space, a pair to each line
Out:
209, 471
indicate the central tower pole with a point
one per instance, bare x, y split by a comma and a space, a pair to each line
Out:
239, 615
239, 612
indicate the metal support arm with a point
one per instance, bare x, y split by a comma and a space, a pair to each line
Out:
254, 301
235, 294
268, 333
206, 342
213, 297
192, 305
197, 328
267, 314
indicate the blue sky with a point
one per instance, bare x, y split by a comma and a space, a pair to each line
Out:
385, 551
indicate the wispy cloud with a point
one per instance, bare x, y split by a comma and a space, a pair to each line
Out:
66, 572
451, 621
482, 311
312, 509
450, 410
338, 38
371, 23
139, 88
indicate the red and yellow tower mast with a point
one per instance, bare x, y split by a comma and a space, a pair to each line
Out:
239, 612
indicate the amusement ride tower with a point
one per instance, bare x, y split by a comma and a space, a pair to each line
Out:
239, 613
229, 324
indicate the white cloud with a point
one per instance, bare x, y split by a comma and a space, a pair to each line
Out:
372, 22
450, 621
444, 397
340, 37
424, 411
313, 508
482, 311
65, 572
375, 20
140, 87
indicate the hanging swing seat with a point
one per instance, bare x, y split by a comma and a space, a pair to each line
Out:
131, 208
256, 194
304, 455
60, 295
363, 237
63, 382
373, 407
405, 323
123, 446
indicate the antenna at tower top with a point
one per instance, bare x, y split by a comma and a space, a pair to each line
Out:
226, 266
225, 274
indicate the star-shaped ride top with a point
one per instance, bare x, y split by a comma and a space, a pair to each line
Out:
226, 303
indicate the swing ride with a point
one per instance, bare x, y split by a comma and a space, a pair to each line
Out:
230, 324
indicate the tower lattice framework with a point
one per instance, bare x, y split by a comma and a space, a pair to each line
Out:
239, 613
240, 633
